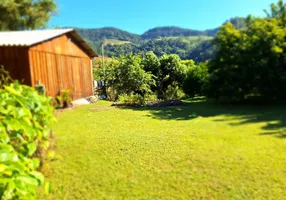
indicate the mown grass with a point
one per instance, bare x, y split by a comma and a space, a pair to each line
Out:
198, 151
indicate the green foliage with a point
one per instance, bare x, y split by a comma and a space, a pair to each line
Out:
96, 37
107, 73
28, 14
64, 99
238, 22
187, 43
125, 76
131, 74
197, 48
277, 11
25, 121
5, 78
172, 72
136, 99
40, 88
130, 77
250, 61
151, 63
173, 92
170, 31
197, 76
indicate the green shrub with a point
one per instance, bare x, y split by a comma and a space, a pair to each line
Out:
25, 121
40, 88
64, 99
173, 93
136, 99
5, 78
197, 76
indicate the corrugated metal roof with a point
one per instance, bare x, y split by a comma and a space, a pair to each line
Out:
29, 38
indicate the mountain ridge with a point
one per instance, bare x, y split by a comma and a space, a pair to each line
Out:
187, 43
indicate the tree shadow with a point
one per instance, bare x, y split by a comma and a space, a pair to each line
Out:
272, 114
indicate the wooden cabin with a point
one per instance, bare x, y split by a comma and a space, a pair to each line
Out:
59, 59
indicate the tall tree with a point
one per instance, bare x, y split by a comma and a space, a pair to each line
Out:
277, 11
172, 72
251, 61
25, 14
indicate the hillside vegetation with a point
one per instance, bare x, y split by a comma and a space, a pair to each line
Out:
187, 43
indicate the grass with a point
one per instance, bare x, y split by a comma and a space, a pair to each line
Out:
188, 38
116, 42
198, 151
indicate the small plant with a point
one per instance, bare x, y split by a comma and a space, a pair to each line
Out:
5, 78
40, 88
64, 99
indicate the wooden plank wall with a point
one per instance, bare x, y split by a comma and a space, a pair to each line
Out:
16, 61
60, 64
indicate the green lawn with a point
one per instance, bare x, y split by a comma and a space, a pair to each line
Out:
198, 151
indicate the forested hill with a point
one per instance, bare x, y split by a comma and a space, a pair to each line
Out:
187, 43
170, 31
98, 34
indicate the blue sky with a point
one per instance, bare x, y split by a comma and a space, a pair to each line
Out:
138, 16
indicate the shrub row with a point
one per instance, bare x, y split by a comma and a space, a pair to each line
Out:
25, 121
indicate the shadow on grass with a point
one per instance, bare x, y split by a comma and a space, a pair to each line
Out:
272, 114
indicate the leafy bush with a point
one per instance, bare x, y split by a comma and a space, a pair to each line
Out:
173, 93
125, 76
144, 76
131, 99
106, 72
196, 77
40, 88
131, 77
5, 78
172, 72
25, 121
136, 99
251, 61
64, 99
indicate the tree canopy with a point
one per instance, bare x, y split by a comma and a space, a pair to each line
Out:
28, 14
251, 61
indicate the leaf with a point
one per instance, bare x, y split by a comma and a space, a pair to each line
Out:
12, 90
32, 147
4, 137
48, 188
3, 167
36, 163
8, 157
39, 176
28, 180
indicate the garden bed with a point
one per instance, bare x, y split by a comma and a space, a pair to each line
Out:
167, 103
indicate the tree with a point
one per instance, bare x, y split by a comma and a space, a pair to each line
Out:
151, 63
28, 14
277, 11
131, 77
125, 76
106, 73
250, 61
172, 72
196, 78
